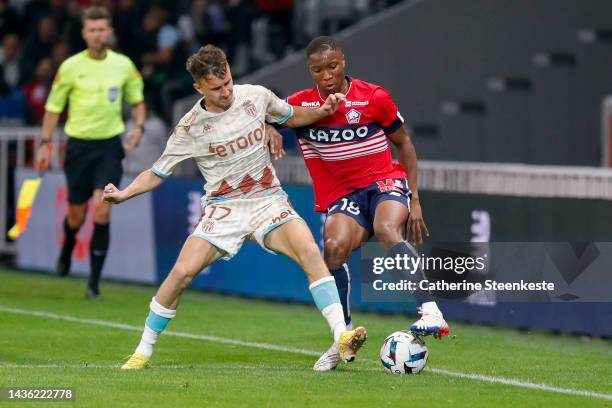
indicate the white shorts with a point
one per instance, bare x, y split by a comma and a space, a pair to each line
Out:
226, 224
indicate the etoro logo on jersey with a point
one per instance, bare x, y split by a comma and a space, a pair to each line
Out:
240, 143
353, 116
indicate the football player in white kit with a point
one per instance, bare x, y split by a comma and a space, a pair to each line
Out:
224, 133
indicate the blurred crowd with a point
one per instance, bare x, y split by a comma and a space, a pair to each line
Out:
158, 35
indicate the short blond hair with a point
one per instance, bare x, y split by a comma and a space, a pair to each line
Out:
96, 13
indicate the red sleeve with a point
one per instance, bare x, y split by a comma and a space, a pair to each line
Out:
385, 111
293, 100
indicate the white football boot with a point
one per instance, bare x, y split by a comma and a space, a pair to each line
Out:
348, 345
328, 360
430, 323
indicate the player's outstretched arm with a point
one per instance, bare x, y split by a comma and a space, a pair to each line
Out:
306, 116
146, 181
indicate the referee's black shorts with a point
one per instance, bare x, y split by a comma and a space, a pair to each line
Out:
90, 165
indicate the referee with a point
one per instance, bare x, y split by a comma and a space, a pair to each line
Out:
93, 82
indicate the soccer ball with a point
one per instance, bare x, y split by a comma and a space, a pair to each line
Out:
404, 352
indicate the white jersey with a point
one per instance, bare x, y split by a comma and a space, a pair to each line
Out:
228, 147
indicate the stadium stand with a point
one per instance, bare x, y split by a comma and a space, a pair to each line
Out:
548, 115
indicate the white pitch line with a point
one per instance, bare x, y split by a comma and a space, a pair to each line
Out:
522, 384
266, 346
216, 339
59, 365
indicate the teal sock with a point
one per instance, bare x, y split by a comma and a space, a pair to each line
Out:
325, 294
156, 323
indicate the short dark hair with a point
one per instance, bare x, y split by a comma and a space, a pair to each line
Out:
96, 13
208, 60
322, 43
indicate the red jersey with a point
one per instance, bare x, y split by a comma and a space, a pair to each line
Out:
349, 149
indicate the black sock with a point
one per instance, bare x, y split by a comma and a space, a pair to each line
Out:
97, 254
343, 283
69, 241
404, 248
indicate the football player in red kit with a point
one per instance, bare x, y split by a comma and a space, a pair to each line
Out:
355, 179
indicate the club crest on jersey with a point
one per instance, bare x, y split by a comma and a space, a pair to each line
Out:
353, 116
186, 121
250, 108
113, 94
207, 128
208, 226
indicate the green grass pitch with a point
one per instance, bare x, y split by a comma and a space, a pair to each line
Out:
219, 351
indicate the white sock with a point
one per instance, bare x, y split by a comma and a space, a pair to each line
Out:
430, 308
350, 326
335, 318
159, 317
148, 340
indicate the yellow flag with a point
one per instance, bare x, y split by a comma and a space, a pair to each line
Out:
26, 198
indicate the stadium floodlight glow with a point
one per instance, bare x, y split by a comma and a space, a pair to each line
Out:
507, 84
594, 35
549, 59
586, 36
467, 107
496, 84
450, 108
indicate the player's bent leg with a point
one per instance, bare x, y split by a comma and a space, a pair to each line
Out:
390, 220
390, 230
342, 236
195, 255
72, 223
295, 240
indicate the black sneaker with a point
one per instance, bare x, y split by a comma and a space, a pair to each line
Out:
63, 265
91, 294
